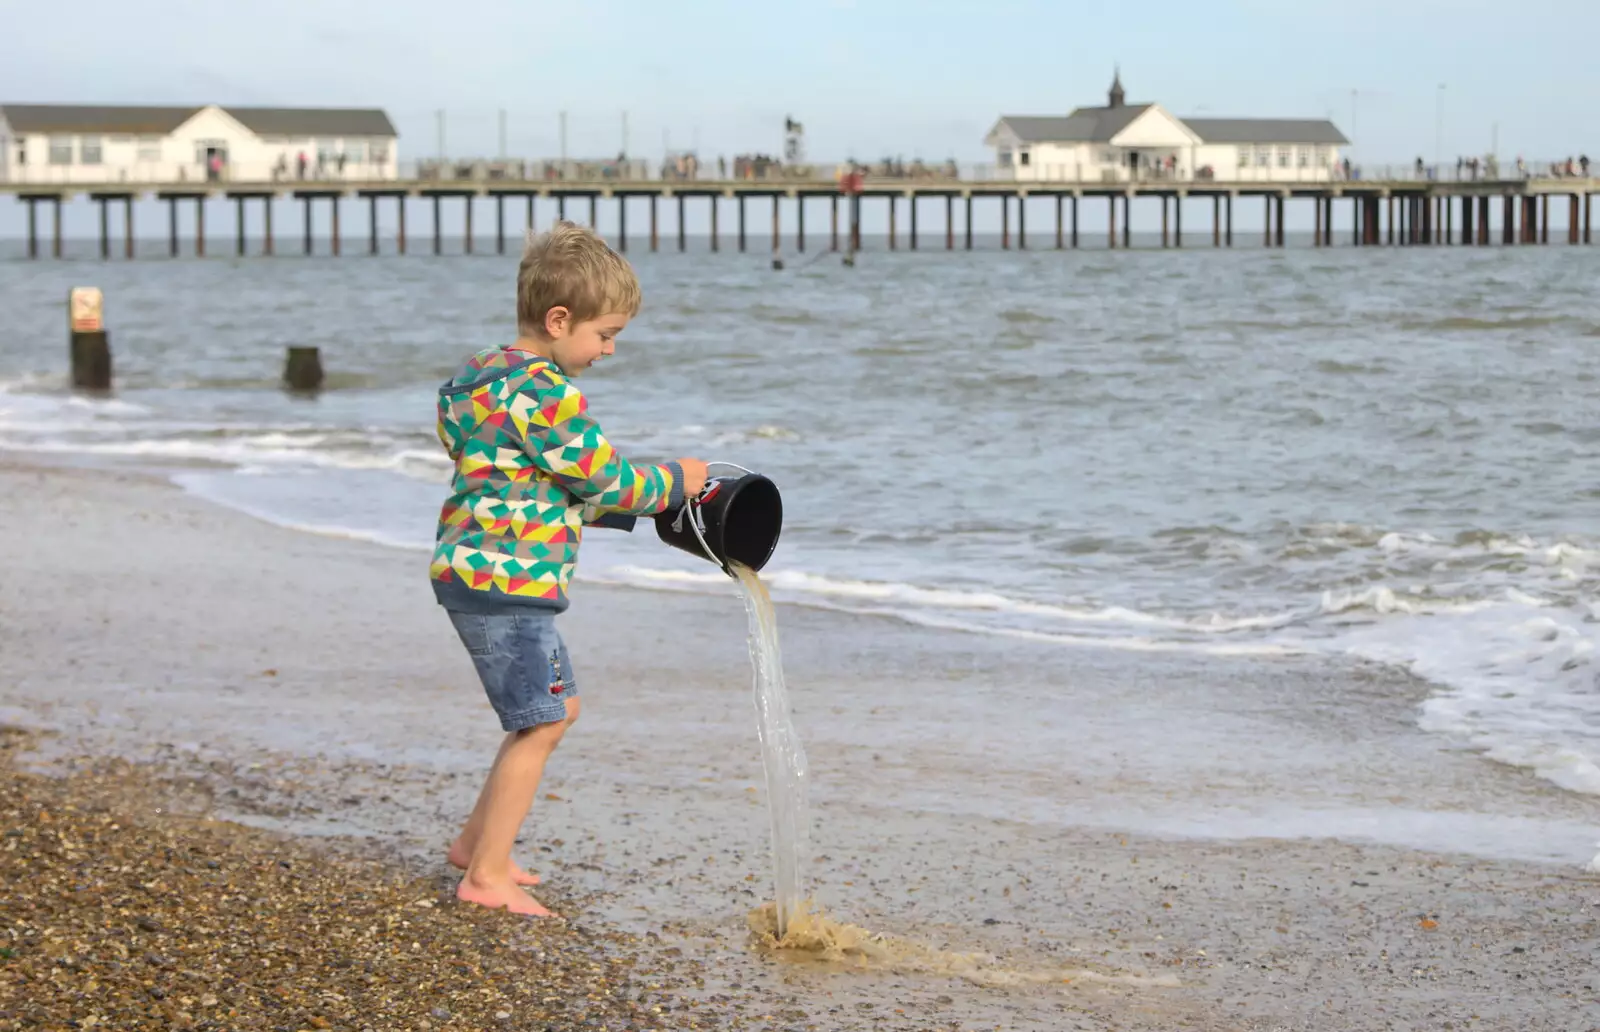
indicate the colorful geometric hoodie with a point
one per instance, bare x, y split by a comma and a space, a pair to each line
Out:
532, 467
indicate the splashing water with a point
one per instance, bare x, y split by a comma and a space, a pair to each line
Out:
781, 752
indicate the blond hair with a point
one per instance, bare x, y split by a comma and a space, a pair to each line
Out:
569, 266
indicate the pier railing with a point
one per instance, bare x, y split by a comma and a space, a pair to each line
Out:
553, 172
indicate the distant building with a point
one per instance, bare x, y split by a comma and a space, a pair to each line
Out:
66, 143
1124, 142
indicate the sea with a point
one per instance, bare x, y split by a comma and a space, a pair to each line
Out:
1388, 454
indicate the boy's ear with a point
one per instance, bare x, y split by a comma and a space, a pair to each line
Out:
557, 321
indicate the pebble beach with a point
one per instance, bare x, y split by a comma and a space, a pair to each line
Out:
235, 754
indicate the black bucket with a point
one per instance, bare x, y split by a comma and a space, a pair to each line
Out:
739, 518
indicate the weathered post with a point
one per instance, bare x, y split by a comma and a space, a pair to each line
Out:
777, 241
90, 345
302, 368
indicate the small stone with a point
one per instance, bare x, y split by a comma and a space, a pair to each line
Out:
440, 1013
502, 1015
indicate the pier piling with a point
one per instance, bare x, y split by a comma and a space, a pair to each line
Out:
800, 222
400, 225
372, 224
266, 243
466, 240
438, 241
967, 223
1022, 223
683, 240
622, 223
892, 242
499, 223
127, 225
714, 206
306, 242
655, 232
334, 201
741, 223
1074, 221
911, 204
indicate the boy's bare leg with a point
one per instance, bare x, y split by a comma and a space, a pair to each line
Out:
507, 797
460, 854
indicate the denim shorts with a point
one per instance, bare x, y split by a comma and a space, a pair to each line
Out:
522, 662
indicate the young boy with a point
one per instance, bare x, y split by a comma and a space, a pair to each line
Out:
531, 468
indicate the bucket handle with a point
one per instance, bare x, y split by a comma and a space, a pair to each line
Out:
694, 518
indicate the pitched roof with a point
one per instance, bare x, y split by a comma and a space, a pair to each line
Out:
96, 118
1266, 130
158, 121
1084, 125
265, 121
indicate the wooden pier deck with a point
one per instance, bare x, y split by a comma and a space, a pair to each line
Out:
1392, 212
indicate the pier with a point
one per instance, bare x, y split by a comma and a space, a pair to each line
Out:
1369, 213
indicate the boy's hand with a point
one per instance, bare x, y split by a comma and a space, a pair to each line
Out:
694, 477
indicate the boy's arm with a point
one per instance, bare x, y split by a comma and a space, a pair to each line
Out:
562, 439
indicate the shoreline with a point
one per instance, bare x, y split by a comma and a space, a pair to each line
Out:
310, 682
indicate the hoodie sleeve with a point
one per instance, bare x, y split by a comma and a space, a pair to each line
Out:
552, 418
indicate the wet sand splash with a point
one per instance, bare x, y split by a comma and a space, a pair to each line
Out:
814, 937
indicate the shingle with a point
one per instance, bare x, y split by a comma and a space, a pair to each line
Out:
159, 121
1266, 130
313, 121
94, 118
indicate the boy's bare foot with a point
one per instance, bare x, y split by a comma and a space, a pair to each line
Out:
459, 857
505, 896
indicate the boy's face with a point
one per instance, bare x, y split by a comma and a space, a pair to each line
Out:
575, 346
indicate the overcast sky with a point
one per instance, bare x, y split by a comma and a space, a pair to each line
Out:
868, 78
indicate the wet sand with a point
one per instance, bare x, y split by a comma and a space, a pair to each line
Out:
314, 688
